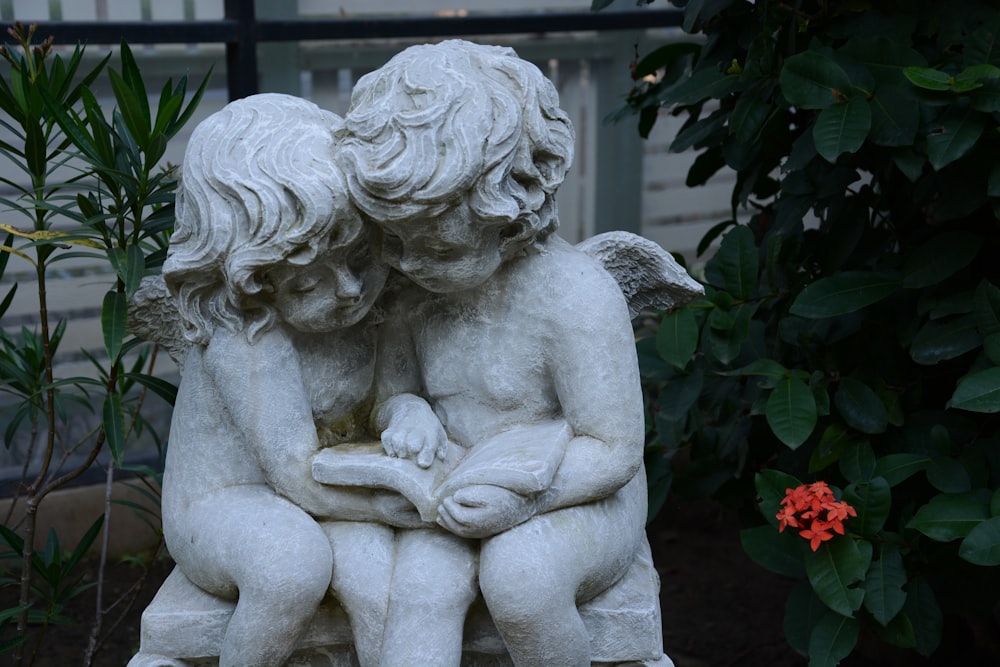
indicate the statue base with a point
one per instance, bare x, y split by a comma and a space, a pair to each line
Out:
184, 627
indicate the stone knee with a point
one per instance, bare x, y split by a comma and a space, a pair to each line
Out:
291, 573
521, 589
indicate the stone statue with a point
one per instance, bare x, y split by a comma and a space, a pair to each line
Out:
498, 516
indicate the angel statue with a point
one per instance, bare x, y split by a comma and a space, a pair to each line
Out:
469, 428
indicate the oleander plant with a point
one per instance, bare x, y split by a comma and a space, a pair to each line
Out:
90, 182
840, 381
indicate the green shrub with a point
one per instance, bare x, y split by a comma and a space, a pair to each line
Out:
850, 331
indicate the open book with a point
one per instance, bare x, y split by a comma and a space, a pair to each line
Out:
523, 459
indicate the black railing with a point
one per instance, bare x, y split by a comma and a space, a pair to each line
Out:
241, 31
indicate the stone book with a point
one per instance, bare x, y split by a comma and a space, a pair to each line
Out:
523, 459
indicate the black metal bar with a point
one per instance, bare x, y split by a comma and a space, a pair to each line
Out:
139, 32
280, 30
241, 52
232, 28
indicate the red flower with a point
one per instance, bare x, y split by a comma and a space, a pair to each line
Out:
815, 512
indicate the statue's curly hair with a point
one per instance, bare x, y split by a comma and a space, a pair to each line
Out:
259, 187
441, 122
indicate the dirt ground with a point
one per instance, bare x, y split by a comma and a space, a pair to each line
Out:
719, 608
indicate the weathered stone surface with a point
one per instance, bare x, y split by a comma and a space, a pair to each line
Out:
495, 364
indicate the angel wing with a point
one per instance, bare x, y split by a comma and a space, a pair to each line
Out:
648, 276
153, 316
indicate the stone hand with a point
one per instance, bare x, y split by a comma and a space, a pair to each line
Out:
414, 432
483, 510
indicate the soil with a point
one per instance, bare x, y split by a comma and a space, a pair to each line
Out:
719, 608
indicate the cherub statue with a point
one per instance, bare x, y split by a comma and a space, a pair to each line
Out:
455, 151
273, 281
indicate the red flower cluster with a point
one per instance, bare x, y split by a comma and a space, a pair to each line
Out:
815, 512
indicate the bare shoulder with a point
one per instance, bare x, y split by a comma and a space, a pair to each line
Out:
570, 281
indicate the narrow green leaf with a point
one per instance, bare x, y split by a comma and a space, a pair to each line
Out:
834, 570
114, 426
978, 392
939, 258
844, 293
768, 368
160, 387
811, 80
135, 268
776, 552
872, 500
677, 337
950, 516
791, 412
884, 596
860, 406
739, 262
842, 128
113, 319
982, 545
598, 5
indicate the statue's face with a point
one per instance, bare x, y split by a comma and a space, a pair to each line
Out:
452, 252
335, 290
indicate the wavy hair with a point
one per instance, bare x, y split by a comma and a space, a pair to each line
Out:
259, 188
439, 121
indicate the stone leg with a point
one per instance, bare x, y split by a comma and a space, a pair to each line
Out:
363, 556
433, 585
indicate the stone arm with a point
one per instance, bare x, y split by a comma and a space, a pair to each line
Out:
406, 423
592, 360
267, 400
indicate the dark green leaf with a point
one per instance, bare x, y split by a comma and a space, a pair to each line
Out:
928, 78
940, 258
872, 500
857, 463
598, 5
748, 118
712, 234
860, 406
707, 83
811, 80
896, 468
803, 610
982, 545
842, 128
952, 138
948, 475
771, 486
831, 445
987, 308
738, 262
114, 426
978, 392
924, 613
940, 340
884, 596
791, 412
677, 337
113, 318
776, 552
664, 56
844, 292
895, 117
949, 516
833, 571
